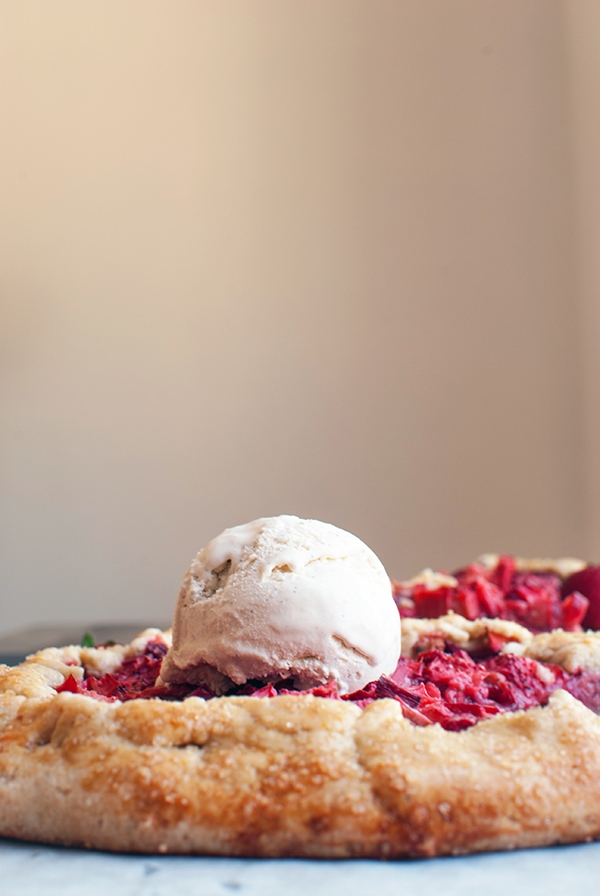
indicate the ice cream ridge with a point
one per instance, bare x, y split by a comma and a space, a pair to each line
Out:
288, 599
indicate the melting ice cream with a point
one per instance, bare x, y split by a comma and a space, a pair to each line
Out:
284, 598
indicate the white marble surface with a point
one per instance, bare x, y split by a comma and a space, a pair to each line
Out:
28, 870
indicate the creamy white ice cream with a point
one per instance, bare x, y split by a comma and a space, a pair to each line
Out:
284, 598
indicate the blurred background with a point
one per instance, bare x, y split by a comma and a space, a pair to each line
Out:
334, 258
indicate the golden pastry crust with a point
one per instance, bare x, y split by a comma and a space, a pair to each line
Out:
469, 634
292, 775
573, 651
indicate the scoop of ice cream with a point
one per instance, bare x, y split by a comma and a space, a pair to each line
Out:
284, 598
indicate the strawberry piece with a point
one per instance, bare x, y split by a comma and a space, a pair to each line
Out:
574, 611
69, 684
587, 583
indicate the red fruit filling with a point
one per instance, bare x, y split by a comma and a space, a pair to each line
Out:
443, 685
533, 599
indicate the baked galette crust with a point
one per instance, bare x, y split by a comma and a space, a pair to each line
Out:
294, 775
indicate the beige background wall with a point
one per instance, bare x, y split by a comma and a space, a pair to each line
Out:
325, 258
583, 48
